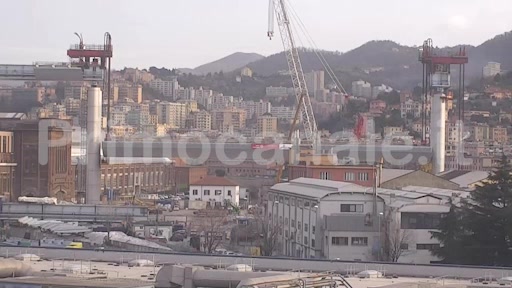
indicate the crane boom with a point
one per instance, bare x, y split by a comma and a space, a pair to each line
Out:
294, 65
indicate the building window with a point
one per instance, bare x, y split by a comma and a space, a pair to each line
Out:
306, 240
359, 241
313, 243
218, 192
427, 246
313, 229
206, 192
306, 203
325, 175
339, 241
194, 192
363, 176
354, 208
412, 220
350, 176
299, 225
293, 223
306, 226
229, 192
404, 246
292, 201
285, 221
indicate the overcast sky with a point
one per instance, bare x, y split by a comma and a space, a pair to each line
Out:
188, 33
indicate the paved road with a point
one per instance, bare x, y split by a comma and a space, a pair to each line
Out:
263, 262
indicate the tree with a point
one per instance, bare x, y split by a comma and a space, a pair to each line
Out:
269, 236
396, 240
451, 234
269, 240
479, 230
211, 229
391, 98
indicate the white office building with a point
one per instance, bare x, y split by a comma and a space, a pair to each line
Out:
168, 88
283, 112
216, 191
380, 89
339, 220
361, 89
491, 69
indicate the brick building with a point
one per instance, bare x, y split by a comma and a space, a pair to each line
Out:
363, 175
33, 176
7, 165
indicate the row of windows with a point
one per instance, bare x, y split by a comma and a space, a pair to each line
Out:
363, 241
292, 201
355, 208
6, 146
306, 242
207, 192
349, 176
355, 241
118, 179
292, 223
361, 176
411, 220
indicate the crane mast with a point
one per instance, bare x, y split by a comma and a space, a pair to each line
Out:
304, 107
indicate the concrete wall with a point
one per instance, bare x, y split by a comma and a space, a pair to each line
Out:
192, 204
276, 263
25, 209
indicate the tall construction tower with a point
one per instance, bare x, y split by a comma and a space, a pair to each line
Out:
436, 83
277, 9
91, 57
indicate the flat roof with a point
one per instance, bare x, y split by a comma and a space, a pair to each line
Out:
318, 188
469, 178
59, 281
389, 174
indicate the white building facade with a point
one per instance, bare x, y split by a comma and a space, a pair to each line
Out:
216, 191
338, 220
491, 69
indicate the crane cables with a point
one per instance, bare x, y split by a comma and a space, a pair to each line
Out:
312, 43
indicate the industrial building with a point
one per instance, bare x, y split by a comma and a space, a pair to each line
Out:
339, 220
33, 176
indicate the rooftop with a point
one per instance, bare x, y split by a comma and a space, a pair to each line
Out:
465, 178
59, 281
317, 188
214, 181
389, 174
4, 115
86, 273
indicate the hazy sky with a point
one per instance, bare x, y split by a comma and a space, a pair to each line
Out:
187, 33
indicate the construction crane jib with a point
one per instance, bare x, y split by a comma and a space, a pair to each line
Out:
277, 8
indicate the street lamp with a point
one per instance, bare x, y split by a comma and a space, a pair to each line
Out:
380, 236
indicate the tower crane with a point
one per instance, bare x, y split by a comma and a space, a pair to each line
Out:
277, 10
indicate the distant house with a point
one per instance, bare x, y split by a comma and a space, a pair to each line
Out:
216, 191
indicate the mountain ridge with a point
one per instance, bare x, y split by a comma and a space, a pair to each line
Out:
229, 63
390, 63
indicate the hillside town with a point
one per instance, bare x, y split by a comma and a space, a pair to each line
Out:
379, 170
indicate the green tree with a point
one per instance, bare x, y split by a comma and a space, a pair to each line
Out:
451, 235
391, 98
480, 231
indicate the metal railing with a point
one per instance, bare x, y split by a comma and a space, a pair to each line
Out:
91, 47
